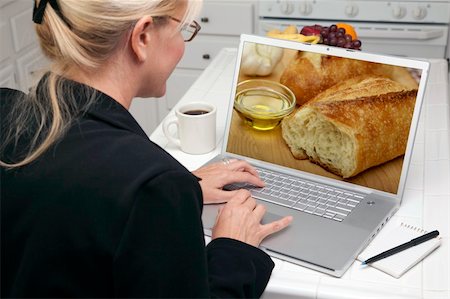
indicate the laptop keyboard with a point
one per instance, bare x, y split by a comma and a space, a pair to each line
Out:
292, 192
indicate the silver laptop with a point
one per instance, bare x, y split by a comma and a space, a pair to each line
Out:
336, 214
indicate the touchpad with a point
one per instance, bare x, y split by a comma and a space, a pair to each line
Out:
270, 217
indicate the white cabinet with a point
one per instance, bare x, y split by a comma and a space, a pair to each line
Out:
7, 78
31, 67
21, 60
222, 22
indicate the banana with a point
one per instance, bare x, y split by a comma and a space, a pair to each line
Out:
291, 33
313, 39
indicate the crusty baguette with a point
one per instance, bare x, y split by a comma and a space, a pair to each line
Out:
309, 74
352, 126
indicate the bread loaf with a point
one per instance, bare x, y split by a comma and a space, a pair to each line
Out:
309, 74
352, 126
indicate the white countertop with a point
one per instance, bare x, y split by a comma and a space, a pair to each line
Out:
426, 202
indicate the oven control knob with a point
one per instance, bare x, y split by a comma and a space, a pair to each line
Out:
287, 7
419, 13
351, 10
398, 12
305, 8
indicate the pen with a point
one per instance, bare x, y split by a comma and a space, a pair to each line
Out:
402, 247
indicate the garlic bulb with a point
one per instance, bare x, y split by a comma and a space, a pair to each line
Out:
260, 60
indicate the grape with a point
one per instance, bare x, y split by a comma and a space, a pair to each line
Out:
342, 30
356, 44
339, 34
325, 40
341, 41
333, 41
324, 33
332, 34
333, 28
347, 45
348, 37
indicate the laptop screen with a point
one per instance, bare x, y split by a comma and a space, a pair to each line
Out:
333, 116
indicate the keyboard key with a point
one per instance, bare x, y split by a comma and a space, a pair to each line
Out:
338, 212
322, 207
329, 214
319, 212
299, 206
275, 194
354, 200
342, 207
309, 209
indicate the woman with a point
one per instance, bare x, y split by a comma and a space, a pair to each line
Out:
90, 206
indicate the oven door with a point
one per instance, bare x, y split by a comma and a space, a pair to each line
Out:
428, 41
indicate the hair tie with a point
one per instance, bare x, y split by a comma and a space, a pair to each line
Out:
39, 11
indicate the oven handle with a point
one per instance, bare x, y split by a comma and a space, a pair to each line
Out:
401, 34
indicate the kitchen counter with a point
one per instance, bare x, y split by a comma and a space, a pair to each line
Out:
426, 202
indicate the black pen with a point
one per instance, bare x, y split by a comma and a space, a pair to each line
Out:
402, 247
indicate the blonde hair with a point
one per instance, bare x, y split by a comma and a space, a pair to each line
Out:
90, 32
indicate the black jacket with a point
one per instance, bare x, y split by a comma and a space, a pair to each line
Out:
105, 212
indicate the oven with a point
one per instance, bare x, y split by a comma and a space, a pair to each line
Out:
404, 28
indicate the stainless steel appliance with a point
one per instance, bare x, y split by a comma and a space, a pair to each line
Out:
406, 28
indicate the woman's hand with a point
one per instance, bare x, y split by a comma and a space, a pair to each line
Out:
215, 176
240, 219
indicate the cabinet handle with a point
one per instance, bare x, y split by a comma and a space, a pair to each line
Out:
206, 56
204, 20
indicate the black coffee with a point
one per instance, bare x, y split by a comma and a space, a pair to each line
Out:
196, 112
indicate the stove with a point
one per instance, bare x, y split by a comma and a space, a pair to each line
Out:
406, 28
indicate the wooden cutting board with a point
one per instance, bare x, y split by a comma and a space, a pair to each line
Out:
269, 145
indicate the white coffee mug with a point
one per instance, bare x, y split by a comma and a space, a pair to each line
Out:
196, 127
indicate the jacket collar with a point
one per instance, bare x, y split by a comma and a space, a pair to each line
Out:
110, 111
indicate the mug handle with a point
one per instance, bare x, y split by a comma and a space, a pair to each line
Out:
166, 125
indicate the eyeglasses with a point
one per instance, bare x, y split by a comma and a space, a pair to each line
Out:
188, 31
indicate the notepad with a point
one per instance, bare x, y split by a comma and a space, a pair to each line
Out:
396, 265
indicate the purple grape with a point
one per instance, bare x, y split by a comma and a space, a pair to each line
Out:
324, 33
356, 44
333, 41
347, 45
332, 34
348, 37
333, 28
341, 41
325, 40
342, 30
339, 34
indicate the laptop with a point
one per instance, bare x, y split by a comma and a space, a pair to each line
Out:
334, 216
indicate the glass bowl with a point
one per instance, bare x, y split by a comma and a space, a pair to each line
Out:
263, 103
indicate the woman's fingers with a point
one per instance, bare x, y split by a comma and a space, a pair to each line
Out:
240, 196
250, 203
276, 226
259, 211
238, 176
240, 165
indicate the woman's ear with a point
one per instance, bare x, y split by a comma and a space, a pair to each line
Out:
140, 39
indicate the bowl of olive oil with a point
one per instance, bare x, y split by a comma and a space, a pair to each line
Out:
263, 103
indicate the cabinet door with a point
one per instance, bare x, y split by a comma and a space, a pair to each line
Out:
6, 49
177, 85
22, 30
7, 77
227, 18
31, 67
145, 111
203, 49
